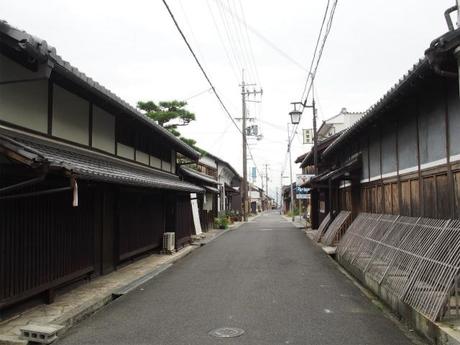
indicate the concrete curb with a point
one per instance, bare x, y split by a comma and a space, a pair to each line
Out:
78, 314
296, 224
73, 317
445, 335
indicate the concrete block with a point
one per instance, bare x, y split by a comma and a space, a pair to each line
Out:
43, 334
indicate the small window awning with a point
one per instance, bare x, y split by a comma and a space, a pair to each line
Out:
88, 165
342, 172
211, 189
196, 175
231, 190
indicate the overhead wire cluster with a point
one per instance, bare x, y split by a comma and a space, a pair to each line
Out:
238, 45
323, 35
325, 29
205, 74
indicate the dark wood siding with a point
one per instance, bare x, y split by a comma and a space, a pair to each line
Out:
140, 222
44, 242
184, 220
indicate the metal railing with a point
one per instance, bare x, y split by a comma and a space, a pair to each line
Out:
417, 259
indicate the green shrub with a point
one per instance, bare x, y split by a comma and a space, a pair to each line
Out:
221, 222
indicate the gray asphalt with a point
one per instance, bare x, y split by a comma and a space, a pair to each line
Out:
266, 278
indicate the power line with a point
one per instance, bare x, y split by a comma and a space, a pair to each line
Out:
251, 51
312, 73
194, 40
320, 54
316, 48
206, 76
263, 38
221, 40
243, 44
240, 44
199, 65
197, 94
230, 38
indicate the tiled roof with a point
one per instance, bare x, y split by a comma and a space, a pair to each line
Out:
197, 175
414, 74
301, 158
23, 41
91, 166
220, 160
322, 145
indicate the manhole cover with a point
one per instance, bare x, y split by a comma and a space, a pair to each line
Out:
226, 332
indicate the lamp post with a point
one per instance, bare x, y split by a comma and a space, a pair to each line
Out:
295, 116
295, 120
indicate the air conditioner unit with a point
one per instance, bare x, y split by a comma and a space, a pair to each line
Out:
169, 242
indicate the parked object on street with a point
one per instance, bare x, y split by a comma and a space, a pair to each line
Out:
40, 334
169, 243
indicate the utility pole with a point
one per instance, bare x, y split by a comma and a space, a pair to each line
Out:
266, 179
458, 13
281, 194
266, 183
315, 136
244, 186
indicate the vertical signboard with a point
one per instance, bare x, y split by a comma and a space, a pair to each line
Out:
302, 192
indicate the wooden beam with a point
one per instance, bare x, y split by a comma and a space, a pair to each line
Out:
50, 106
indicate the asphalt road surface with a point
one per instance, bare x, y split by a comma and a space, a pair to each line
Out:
266, 278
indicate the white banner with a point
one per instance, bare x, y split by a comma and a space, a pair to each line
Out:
195, 213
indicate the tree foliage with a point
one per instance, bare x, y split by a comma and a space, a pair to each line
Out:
170, 115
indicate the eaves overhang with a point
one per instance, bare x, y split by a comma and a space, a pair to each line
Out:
408, 81
85, 165
39, 51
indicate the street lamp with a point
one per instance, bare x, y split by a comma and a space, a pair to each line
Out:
295, 115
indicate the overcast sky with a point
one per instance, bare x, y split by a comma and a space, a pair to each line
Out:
133, 49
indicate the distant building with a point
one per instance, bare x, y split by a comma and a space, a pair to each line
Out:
338, 123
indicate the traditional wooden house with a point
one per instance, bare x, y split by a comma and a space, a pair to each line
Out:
229, 186
87, 182
207, 201
337, 123
319, 195
396, 174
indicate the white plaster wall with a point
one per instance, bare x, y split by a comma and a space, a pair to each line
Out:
166, 166
125, 151
208, 161
25, 104
142, 157
11, 70
173, 161
254, 195
103, 130
70, 116
208, 204
155, 162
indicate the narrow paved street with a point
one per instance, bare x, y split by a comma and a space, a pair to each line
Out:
266, 278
